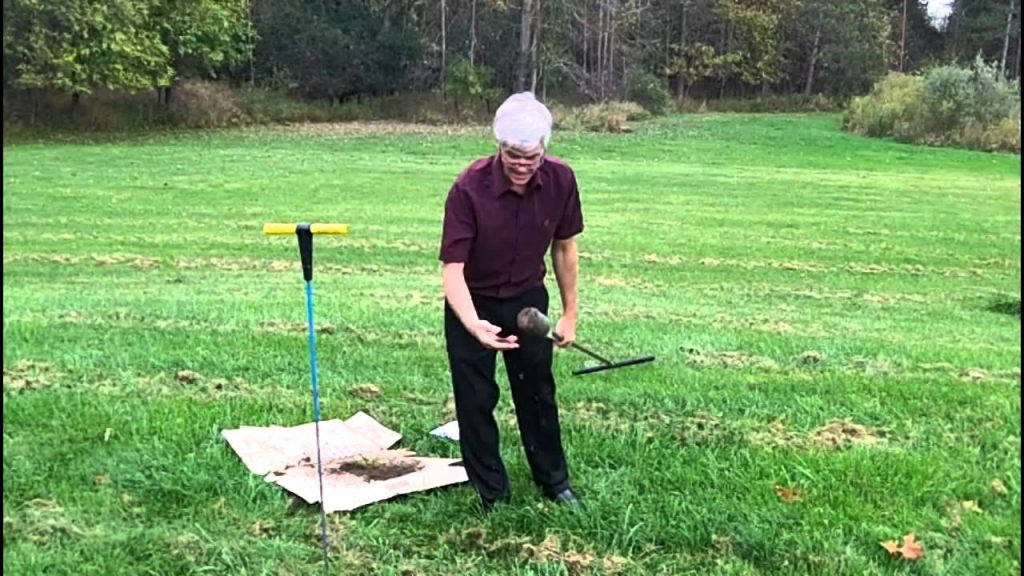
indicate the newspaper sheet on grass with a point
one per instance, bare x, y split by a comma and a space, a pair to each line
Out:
359, 467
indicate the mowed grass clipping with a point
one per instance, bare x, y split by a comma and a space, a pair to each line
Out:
836, 322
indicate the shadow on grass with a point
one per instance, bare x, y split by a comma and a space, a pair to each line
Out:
1008, 307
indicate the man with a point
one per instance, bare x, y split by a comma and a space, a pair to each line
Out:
502, 215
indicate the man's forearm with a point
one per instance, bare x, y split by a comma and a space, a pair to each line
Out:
565, 260
457, 293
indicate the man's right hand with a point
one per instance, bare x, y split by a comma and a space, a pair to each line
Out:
458, 297
487, 334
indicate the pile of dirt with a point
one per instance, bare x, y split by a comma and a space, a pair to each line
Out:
842, 433
375, 468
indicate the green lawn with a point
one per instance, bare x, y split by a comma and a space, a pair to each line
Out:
833, 315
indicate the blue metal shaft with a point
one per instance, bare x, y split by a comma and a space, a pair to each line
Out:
316, 415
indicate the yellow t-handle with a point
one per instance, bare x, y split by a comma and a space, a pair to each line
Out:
272, 228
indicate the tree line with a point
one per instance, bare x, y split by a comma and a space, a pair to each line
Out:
582, 50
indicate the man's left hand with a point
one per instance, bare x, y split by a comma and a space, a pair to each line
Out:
566, 328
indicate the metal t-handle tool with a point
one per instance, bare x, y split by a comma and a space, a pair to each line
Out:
305, 234
558, 338
532, 321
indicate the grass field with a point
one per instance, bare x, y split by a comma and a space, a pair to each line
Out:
834, 316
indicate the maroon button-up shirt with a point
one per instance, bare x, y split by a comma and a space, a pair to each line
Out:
502, 236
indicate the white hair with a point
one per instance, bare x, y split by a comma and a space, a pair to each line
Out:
522, 122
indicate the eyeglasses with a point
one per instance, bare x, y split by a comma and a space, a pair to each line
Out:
512, 157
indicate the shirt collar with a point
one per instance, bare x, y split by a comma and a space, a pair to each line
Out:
500, 186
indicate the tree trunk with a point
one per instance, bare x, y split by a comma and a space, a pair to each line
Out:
472, 34
523, 66
611, 44
668, 38
638, 40
1006, 41
1016, 66
444, 49
544, 87
586, 36
683, 39
534, 42
726, 44
252, 44
601, 35
76, 98
34, 98
809, 85
903, 36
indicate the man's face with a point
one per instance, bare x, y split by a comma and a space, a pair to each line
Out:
520, 164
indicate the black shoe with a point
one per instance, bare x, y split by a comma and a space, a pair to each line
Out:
568, 498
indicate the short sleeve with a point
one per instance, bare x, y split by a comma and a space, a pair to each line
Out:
459, 228
571, 223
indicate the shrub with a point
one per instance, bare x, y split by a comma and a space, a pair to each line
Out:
470, 84
649, 91
967, 107
946, 96
197, 104
612, 116
790, 103
888, 110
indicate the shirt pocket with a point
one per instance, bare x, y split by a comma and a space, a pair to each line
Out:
537, 227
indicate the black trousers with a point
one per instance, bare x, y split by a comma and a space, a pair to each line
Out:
533, 394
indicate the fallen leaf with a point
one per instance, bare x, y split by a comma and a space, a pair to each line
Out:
971, 506
107, 434
102, 479
998, 487
367, 391
614, 564
788, 494
811, 357
723, 544
188, 377
955, 511
911, 549
262, 529
976, 374
998, 541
